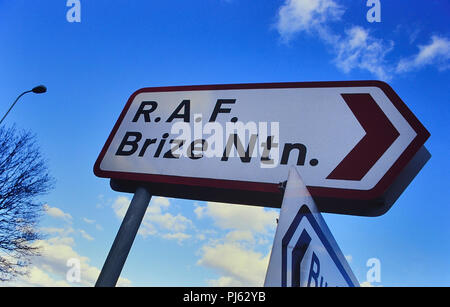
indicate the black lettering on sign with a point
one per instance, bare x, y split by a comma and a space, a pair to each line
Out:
218, 108
127, 142
145, 110
245, 156
170, 153
147, 143
161, 145
314, 272
193, 147
186, 105
287, 151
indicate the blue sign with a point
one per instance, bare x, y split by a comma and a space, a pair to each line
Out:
297, 253
305, 253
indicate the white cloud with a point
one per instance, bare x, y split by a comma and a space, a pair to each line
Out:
57, 213
368, 284
157, 205
349, 258
57, 231
161, 202
236, 254
200, 211
147, 229
88, 221
50, 267
240, 236
356, 48
170, 222
437, 52
359, 50
226, 281
239, 266
239, 217
69, 241
39, 278
156, 221
295, 16
201, 236
92, 222
85, 235
178, 236
120, 206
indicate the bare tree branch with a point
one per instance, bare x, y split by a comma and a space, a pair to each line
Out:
23, 177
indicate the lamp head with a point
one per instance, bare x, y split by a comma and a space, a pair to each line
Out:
39, 89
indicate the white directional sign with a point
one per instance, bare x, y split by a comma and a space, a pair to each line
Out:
304, 253
235, 143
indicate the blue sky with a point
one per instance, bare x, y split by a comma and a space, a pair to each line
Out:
92, 67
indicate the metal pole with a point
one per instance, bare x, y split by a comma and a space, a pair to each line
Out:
124, 239
18, 97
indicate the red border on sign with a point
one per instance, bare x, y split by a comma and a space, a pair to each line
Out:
377, 191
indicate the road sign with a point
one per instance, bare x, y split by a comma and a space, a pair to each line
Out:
304, 252
356, 144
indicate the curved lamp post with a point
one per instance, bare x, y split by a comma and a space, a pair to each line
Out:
37, 90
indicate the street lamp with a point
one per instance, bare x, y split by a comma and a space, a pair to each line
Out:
37, 90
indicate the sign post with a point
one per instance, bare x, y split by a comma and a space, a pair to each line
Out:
304, 252
356, 144
351, 141
124, 239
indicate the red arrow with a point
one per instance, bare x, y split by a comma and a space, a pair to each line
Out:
380, 134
